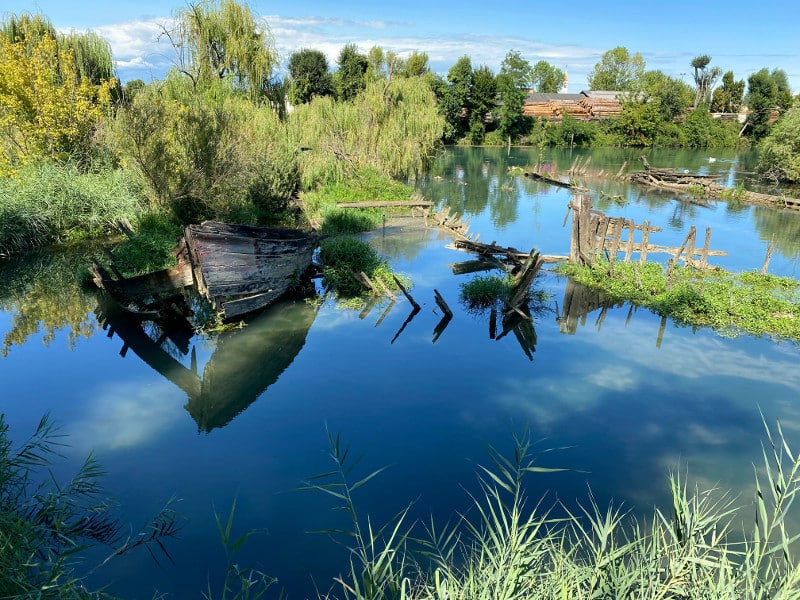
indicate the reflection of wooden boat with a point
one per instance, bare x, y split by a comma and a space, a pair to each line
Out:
247, 361
238, 268
244, 364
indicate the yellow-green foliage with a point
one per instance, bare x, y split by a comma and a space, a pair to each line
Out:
46, 108
392, 127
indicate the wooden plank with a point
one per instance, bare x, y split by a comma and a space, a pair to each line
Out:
242, 306
386, 204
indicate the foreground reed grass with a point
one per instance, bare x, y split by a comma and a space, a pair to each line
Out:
507, 547
45, 526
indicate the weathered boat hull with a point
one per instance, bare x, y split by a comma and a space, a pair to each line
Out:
240, 268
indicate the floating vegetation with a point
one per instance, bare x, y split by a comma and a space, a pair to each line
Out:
729, 303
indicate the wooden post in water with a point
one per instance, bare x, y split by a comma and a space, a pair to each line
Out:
670, 272
629, 248
766, 259
706, 246
662, 326
690, 245
645, 238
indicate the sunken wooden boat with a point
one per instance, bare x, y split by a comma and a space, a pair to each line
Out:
238, 268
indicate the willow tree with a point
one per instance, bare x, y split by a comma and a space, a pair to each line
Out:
222, 40
391, 127
90, 53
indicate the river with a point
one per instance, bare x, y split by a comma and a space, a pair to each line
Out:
621, 396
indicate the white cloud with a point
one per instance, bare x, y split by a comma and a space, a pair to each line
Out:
126, 414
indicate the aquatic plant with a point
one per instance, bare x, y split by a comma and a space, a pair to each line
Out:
486, 291
507, 548
48, 202
730, 303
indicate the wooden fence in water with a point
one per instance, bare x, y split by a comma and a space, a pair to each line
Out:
595, 234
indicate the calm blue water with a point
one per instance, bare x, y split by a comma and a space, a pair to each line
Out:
625, 397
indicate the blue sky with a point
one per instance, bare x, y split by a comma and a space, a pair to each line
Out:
572, 35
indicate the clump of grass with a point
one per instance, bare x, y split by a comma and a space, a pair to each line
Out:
486, 291
343, 256
696, 191
730, 303
367, 186
150, 247
736, 194
342, 221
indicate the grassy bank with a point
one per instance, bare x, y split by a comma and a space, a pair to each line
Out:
729, 303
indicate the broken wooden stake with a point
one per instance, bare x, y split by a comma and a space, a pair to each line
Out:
441, 303
405, 293
766, 259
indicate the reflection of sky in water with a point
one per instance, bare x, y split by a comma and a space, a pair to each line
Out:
624, 409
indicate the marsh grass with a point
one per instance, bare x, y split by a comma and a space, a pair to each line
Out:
509, 548
367, 185
730, 303
486, 291
47, 202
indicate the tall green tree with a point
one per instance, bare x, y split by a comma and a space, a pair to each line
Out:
673, 95
728, 97
767, 94
546, 78
617, 70
780, 150
704, 79
350, 77
221, 40
416, 65
459, 78
484, 92
309, 74
513, 82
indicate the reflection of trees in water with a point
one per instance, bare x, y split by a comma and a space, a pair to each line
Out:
781, 227
41, 291
401, 238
